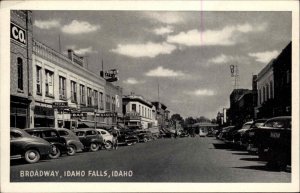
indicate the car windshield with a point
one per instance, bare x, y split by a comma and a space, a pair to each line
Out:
278, 123
15, 135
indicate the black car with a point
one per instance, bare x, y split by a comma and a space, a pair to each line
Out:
144, 135
23, 145
273, 141
59, 145
127, 137
90, 139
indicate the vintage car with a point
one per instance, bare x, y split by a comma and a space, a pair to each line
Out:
224, 132
90, 139
59, 145
238, 134
273, 141
108, 138
144, 135
73, 143
127, 137
23, 145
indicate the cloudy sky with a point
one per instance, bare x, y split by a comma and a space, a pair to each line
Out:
187, 53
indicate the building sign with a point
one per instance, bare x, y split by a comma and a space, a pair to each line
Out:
111, 75
17, 33
60, 104
78, 114
132, 116
88, 109
108, 114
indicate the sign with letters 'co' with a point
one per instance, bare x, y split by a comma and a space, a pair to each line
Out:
17, 33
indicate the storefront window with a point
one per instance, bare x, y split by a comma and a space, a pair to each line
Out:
133, 107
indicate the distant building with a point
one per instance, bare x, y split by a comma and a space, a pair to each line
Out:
162, 115
137, 111
113, 100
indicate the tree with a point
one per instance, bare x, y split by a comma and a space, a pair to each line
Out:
189, 121
176, 117
202, 119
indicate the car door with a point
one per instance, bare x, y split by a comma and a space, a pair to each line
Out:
91, 136
82, 137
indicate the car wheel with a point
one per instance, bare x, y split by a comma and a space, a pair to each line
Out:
55, 152
32, 156
145, 140
71, 150
94, 147
108, 145
129, 143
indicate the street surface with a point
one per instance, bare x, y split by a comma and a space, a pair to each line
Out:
165, 160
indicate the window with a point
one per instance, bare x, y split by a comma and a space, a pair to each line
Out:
107, 103
62, 88
267, 92
96, 99
82, 94
49, 83
113, 104
14, 135
140, 110
133, 107
271, 90
91, 132
63, 133
73, 92
20, 74
101, 101
38, 80
89, 96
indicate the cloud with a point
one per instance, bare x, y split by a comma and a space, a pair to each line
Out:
164, 72
132, 81
221, 59
166, 17
202, 92
47, 24
264, 57
79, 27
149, 49
163, 30
225, 36
81, 51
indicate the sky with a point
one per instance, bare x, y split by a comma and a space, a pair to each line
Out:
186, 55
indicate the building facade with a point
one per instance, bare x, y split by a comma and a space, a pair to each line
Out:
265, 92
162, 115
20, 68
137, 112
64, 91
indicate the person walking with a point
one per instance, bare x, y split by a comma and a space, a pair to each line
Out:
115, 134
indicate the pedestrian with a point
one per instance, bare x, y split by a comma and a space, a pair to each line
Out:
115, 134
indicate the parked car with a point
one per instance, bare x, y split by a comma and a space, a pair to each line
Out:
224, 132
59, 145
237, 135
273, 140
23, 145
184, 134
108, 138
73, 143
127, 137
144, 135
202, 133
90, 139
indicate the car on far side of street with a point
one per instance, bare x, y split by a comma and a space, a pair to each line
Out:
144, 135
23, 145
59, 145
90, 139
73, 143
127, 137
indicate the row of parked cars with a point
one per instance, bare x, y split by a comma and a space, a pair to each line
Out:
45, 142
270, 139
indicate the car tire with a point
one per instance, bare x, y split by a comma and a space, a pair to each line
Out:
32, 156
94, 147
71, 150
145, 140
108, 145
56, 152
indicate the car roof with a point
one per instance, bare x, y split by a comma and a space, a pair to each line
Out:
84, 129
40, 129
281, 117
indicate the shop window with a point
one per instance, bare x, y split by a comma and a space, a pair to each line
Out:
49, 83
89, 97
82, 94
73, 92
38, 80
62, 88
20, 74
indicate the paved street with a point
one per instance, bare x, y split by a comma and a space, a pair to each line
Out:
164, 160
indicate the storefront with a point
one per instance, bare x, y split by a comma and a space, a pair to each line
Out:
19, 112
43, 115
